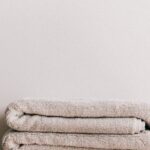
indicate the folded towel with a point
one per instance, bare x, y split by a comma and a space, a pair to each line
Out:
73, 117
47, 141
70, 125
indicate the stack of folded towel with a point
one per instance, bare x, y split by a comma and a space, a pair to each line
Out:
69, 125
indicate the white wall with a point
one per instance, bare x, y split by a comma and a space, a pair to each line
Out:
74, 48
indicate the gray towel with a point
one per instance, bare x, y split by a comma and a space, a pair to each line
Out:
98, 117
48, 141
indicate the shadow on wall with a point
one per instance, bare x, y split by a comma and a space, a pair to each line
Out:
3, 127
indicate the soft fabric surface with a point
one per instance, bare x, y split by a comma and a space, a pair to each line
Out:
26, 141
70, 116
78, 125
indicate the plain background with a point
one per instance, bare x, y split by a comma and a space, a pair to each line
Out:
74, 48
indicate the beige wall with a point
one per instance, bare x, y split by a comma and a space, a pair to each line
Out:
74, 48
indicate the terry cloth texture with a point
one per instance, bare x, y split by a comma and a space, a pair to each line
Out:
98, 117
77, 125
26, 140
